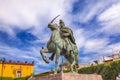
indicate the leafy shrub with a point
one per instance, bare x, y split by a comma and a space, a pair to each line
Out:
109, 71
6, 78
9, 78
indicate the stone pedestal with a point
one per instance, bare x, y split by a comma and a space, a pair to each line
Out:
69, 76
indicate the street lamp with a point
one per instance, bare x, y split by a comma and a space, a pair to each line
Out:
3, 60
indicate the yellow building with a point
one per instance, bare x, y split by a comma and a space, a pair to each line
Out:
16, 69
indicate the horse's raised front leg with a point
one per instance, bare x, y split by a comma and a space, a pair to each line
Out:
57, 60
44, 50
52, 56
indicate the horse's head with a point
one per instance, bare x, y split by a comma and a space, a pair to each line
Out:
52, 26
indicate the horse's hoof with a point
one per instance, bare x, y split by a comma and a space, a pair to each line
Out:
51, 58
46, 61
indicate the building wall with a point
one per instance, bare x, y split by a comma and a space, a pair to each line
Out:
15, 70
111, 58
84, 65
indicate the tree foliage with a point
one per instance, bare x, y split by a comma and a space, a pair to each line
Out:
109, 71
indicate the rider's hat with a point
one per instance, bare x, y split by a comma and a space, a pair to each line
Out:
61, 21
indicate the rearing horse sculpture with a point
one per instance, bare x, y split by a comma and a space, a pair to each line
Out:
56, 46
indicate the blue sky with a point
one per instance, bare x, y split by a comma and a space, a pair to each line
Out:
23, 28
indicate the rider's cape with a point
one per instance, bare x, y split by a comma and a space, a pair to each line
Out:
68, 30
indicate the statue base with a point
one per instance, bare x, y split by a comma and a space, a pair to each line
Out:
69, 76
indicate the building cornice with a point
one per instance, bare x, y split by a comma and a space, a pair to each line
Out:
16, 63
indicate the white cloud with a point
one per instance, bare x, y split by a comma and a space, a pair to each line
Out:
28, 12
95, 45
111, 13
35, 13
115, 47
79, 37
14, 52
6, 28
110, 20
89, 13
91, 9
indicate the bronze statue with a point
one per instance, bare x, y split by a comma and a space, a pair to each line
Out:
60, 43
66, 32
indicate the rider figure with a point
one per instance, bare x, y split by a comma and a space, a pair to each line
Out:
66, 32
67, 35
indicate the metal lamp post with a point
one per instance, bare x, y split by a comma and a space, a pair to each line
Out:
3, 60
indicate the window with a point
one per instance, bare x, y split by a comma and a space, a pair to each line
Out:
18, 73
11, 67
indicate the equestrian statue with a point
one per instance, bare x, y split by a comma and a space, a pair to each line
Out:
61, 42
